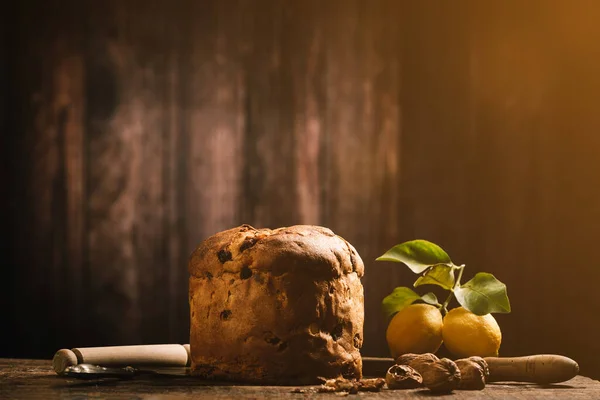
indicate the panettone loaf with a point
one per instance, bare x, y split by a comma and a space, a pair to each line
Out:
281, 306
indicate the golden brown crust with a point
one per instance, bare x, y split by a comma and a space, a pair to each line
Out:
282, 250
282, 306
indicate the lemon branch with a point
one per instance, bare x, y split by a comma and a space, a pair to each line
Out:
482, 295
444, 308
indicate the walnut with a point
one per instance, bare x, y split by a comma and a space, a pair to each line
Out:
439, 376
483, 364
472, 374
403, 377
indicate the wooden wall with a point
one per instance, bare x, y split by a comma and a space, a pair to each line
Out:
133, 130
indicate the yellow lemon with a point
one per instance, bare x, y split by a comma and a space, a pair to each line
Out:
466, 334
415, 329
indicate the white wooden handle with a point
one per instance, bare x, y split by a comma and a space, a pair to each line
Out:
164, 355
542, 368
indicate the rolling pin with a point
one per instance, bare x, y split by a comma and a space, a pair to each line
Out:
163, 355
541, 368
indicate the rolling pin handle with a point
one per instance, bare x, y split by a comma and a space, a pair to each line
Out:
541, 368
62, 359
189, 359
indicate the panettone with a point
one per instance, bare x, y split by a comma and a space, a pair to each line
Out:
281, 306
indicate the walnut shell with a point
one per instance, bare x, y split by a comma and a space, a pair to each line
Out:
440, 376
483, 364
472, 375
352, 386
371, 384
403, 377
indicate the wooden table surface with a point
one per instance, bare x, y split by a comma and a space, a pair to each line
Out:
34, 379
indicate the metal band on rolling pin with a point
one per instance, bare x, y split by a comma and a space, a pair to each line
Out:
167, 355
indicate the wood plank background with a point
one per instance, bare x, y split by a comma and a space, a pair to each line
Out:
132, 130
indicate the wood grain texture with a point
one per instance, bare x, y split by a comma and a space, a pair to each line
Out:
137, 129
45, 134
36, 379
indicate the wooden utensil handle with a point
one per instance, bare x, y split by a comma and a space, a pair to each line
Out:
167, 355
542, 368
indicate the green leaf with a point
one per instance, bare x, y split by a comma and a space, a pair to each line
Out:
418, 255
440, 275
483, 294
430, 298
399, 298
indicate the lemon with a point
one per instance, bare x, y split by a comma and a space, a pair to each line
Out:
415, 329
466, 334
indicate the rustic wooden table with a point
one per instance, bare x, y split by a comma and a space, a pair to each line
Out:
34, 379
